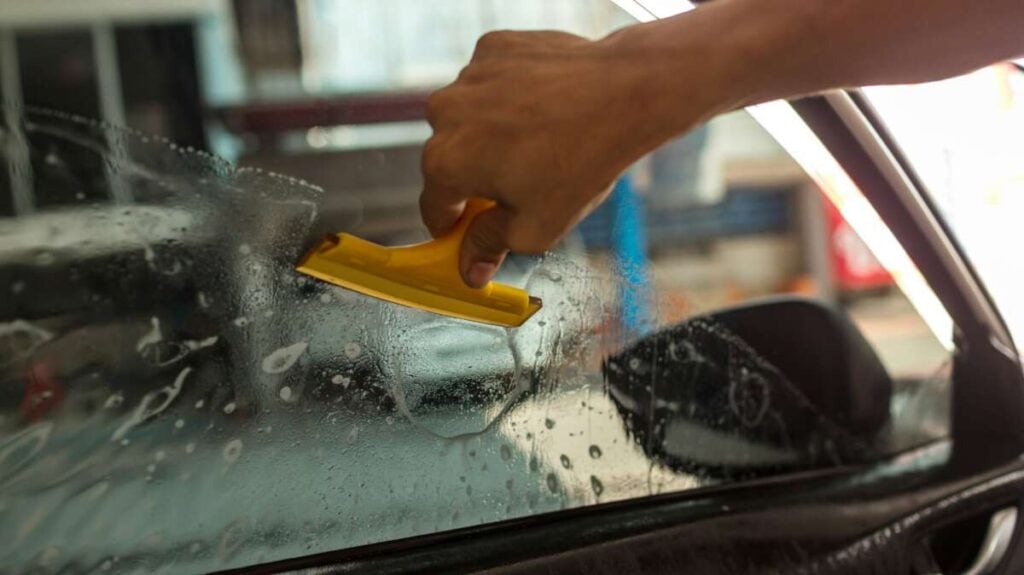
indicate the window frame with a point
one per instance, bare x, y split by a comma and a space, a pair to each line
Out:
986, 428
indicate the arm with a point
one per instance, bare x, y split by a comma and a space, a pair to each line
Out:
544, 122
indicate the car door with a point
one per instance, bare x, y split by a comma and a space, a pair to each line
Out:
949, 506
176, 398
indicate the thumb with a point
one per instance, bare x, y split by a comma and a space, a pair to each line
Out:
484, 247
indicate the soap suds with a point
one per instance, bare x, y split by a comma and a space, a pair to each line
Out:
282, 359
152, 404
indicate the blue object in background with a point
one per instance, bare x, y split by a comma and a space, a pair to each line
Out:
743, 211
629, 248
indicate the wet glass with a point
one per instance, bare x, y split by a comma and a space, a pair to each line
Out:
176, 397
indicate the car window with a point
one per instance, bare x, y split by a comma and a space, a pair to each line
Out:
963, 136
176, 397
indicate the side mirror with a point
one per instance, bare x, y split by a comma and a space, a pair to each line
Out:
783, 383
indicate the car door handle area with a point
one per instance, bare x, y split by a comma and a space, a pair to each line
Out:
1001, 526
973, 546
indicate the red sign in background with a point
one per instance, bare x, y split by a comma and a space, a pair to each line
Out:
853, 265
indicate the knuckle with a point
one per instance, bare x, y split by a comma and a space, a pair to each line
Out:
491, 41
471, 73
437, 105
433, 158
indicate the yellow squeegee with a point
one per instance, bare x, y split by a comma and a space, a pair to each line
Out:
424, 276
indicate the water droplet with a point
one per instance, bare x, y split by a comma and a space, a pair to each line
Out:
25, 338
155, 350
506, 452
17, 287
281, 360
115, 400
244, 249
152, 404
232, 451
285, 393
125, 441
353, 350
197, 344
595, 452
325, 298
596, 485
241, 321
179, 424
159, 455
151, 467
341, 380
549, 423
152, 336
390, 420
552, 482
566, 462
229, 408
190, 447
200, 403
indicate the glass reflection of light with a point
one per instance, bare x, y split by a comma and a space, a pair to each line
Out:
783, 123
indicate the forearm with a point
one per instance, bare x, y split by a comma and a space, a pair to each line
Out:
759, 50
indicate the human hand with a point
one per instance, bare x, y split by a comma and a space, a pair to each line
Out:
542, 123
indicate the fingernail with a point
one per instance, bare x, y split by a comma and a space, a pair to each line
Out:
480, 273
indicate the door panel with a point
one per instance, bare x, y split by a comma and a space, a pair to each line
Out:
872, 521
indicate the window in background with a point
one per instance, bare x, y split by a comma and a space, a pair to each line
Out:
58, 71
159, 81
368, 45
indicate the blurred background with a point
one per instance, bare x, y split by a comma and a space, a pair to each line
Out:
333, 92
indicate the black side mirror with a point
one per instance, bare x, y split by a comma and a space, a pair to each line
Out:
784, 383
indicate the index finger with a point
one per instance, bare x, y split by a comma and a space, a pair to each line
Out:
441, 203
440, 207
